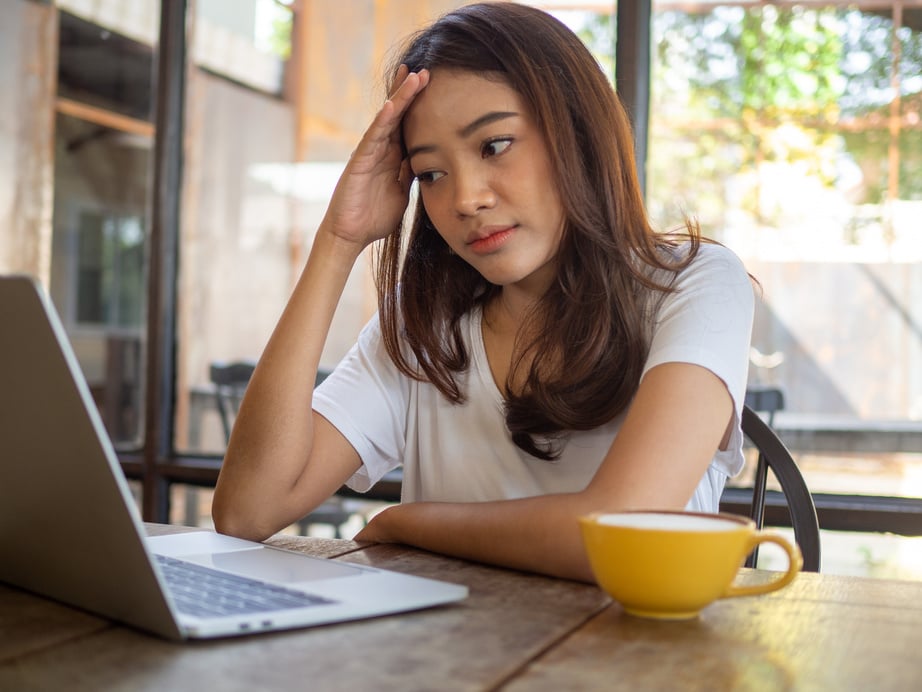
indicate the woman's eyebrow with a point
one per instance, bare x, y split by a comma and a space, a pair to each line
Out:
485, 119
467, 130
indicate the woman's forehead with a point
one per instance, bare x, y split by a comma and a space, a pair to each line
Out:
454, 100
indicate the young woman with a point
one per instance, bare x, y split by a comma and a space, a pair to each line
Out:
539, 353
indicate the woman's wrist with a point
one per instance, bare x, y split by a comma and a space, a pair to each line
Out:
385, 526
337, 245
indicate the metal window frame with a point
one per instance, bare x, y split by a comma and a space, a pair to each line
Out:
163, 264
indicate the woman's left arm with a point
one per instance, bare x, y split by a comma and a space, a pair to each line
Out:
680, 415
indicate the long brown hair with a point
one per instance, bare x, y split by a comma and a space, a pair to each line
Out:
588, 351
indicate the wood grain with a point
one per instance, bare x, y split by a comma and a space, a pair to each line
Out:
821, 633
508, 619
29, 623
516, 631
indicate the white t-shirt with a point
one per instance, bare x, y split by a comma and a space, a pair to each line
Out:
464, 453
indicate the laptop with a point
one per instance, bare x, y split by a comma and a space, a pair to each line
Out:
70, 529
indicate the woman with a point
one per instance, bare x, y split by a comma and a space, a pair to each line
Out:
539, 353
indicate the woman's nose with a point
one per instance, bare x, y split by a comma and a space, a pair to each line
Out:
473, 193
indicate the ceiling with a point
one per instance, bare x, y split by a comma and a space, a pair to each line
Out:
105, 69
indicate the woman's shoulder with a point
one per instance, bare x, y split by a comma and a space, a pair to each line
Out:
712, 250
714, 261
693, 262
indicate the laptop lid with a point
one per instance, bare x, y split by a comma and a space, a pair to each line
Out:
69, 526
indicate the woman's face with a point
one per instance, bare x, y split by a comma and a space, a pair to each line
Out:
485, 178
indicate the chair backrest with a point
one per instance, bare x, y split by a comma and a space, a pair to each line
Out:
766, 400
775, 456
230, 381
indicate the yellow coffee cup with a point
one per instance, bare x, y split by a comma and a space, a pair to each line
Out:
670, 565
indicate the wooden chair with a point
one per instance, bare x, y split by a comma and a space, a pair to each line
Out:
230, 381
775, 456
767, 400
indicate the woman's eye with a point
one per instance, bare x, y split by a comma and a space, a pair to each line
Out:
495, 147
429, 176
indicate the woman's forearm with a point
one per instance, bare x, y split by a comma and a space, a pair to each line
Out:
276, 468
273, 433
539, 534
644, 469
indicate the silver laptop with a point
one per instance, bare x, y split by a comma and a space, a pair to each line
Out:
70, 529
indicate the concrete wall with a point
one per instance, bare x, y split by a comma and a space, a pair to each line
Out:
850, 336
28, 36
347, 44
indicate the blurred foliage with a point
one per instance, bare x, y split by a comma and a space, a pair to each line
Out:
599, 35
280, 38
737, 89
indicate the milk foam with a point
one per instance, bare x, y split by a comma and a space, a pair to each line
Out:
668, 522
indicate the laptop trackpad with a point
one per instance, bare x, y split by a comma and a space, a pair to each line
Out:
274, 565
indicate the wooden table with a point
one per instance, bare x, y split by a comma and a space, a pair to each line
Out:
515, 632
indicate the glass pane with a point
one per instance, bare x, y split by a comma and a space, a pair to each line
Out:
248, 41
592, 23
110, 268
105, 58
103, 137
878, 555
339, 518
238, 241
253, 202
792, 134
746, 99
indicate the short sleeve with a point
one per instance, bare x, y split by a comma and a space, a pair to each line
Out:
707, 321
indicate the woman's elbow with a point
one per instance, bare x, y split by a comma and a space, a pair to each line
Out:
231, 521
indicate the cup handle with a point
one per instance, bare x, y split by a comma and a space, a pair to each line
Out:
795, 562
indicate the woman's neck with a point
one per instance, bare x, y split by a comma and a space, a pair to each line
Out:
504, 323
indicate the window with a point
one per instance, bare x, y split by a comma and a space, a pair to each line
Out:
110, 270
247, 41
791, 131
100, 218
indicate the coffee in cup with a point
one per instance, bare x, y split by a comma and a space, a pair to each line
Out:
670, 565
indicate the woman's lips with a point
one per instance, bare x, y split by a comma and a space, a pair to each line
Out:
490, 239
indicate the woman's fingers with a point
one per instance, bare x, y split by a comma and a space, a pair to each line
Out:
372, 194
387, 122
405, 178
409, 89
401, 75
381, 142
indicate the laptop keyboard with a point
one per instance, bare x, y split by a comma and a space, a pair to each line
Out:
205, 592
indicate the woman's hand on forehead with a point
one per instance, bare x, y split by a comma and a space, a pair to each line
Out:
373, 191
